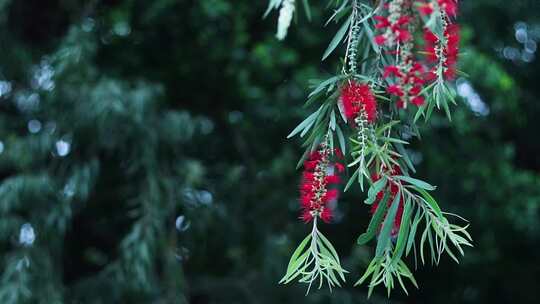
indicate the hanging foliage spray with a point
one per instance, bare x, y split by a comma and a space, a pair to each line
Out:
399, 64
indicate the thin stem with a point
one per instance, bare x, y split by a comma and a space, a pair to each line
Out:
350, 35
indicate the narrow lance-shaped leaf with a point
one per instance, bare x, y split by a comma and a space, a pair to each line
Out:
385, 235
418, 183
375, 189
306, 124
403, 232
375, 221
294, 257
307, 9
337, 38
431, 202
414, 227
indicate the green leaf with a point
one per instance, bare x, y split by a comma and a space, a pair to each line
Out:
375, 221
352, 179
412, 234
337, 38
418, 183
291, 267
303, 158
374, 190
298, 266
307, 9
273, 4
431, 202
341, 140
419, 113
371, 35
324, 84
328, 245
375, 275
385, 127
403, 232
304, 125
385, 235
333, 120
406, 272
370, 269
403, 152
393, 140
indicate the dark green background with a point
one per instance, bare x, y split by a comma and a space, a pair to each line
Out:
117, 117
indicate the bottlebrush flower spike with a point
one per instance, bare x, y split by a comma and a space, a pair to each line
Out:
451, 51
450, 7
382, 22
395, 25
405, 76
314, 189
395, 90
391, 70
444, 52
357, 98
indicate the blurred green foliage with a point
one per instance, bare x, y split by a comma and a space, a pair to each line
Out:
143, 157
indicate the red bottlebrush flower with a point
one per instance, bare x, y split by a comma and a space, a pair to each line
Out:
431, 56
429, 37
380, 39
382, 22
403, 20
416, 80
332, 179
314, 191
418, 100
340, 167
330, 195
426, 9
326, 214
306, 216
415, 91
450, 7
407, 73
395, 90
450, 73
430, 75
338, 152
310, 164
305, 200
403, 35
308, 176
391, 70
431, 40
417, 67
357, 98
450, 49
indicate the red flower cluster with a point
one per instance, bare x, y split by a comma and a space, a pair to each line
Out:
405, 77
393, 188
395, 26
408, 82
445, 52
357, 98
318, 175
395, 32
450, 7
